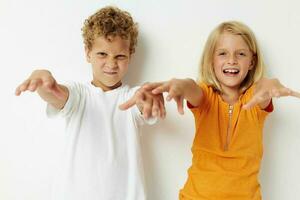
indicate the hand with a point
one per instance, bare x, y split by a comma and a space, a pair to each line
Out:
175, 89
150, 105
265, 90
40, 79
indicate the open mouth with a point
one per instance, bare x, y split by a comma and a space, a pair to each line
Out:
231, 71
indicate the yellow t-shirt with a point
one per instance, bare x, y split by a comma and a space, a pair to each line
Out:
227, 149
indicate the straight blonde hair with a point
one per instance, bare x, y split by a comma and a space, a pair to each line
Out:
207, 74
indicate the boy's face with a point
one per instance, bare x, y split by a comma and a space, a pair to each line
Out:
109, 58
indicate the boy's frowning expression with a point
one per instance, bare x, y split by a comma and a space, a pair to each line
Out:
109, 58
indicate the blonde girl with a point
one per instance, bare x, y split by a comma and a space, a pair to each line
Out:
229, 105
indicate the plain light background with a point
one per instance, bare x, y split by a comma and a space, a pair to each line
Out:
38, 34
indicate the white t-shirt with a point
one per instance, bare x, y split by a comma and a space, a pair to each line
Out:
102, 158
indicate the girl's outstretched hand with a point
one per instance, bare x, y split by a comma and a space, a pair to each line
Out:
265, 90
175, 89
149, 104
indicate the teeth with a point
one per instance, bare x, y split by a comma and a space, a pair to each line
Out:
233, 71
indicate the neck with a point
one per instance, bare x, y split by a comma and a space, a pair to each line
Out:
230, 95
105, 87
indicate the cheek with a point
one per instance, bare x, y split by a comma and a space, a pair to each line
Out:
98, 62
217, 65
217, 61
123, 65
247, 64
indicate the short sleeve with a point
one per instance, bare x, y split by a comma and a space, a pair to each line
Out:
71, 103
263, 113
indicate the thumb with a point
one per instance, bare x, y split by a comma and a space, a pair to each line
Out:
253, 101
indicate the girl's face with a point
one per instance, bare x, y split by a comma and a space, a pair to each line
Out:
231, 61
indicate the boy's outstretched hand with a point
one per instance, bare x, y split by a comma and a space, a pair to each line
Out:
265, 90
149, 104
44, 83
40, 79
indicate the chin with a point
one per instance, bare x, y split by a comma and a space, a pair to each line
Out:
115, 84
232, 85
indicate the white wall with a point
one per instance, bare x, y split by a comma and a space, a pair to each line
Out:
46, 34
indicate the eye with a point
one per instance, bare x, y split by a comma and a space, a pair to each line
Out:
242, 53
121, 57
101, 54
222, 53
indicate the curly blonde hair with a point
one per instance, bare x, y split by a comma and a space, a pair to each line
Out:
206, 65
110, 22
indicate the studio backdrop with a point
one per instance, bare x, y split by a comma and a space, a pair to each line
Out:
47, 34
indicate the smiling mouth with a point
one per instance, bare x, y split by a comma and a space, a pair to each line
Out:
231, 71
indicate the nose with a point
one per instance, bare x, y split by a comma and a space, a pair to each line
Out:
232, 60
111, 63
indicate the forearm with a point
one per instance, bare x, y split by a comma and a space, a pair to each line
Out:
192, 92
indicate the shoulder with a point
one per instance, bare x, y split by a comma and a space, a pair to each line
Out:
127, 92
209, 96
208, 90
76, 86
248, 93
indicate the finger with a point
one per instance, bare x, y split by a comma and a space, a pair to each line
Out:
34, 85
162, 88
172, 94
155, 108
147, 108
162, 109
151, 86
295, 94
285, 92
138, 97
22, 87
127, 104
179, 102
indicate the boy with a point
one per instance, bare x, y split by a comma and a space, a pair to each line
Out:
103, 159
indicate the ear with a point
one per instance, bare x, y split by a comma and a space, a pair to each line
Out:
87, 54
252, 63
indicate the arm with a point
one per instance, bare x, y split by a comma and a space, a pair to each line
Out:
150, 105
46, 86
178, 90
265, 90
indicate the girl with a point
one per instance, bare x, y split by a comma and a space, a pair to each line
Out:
230, 105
